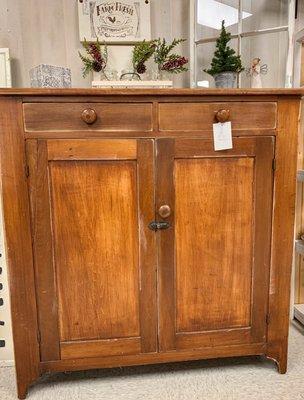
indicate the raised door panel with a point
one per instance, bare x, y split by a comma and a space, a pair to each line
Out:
94, 253
213, 231
214, 260
96, 248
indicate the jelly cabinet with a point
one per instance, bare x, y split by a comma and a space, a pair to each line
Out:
131, 241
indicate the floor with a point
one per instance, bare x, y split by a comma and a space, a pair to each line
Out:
231, 379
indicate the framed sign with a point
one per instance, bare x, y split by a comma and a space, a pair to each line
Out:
5, 69
124, 21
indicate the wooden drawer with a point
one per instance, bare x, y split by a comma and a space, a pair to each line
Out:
200, 116
68, 117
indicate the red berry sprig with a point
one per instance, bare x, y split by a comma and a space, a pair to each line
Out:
175, 64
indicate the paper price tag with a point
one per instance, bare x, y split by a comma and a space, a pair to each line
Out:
222, 135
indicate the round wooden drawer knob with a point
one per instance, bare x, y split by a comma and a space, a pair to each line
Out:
164, 211
222, 116
89, 116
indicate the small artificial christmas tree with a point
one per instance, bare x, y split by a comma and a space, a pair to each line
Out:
225, 58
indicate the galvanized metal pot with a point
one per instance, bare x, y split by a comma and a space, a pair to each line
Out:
225, 79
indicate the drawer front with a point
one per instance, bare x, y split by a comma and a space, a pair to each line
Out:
100, 117
201, 116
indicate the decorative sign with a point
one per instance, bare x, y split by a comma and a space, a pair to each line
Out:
114, 21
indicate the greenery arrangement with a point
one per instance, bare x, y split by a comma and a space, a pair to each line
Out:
167, 61
96, 57
142, 52
225, 58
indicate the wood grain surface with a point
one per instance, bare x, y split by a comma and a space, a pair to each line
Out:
100, 348
92, 149
283, 231
201, 116
18, 240
68, 116
92, 202
91, 285
152, 92
45, 278
220, 259
213, 235
94, 208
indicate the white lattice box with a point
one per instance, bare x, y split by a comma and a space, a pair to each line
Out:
50, 76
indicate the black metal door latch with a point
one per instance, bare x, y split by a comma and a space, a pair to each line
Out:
158, 226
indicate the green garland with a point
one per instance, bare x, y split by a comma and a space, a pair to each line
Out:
96, 56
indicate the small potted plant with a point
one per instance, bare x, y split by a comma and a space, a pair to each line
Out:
95, 60
166, 61
225, 65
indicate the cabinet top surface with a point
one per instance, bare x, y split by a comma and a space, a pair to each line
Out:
151, 92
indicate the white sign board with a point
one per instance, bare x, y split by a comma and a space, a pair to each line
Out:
112, 21
5, 69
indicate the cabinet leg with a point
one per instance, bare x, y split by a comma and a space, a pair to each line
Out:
22, 390
282, 367
281, 364
23, 385
278, 354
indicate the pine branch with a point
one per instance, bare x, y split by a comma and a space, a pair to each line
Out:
142, 52
88, 65
172, 63
96, 59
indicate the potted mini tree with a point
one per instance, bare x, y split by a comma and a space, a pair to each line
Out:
225, 65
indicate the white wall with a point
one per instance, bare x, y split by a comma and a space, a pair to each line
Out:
46, 31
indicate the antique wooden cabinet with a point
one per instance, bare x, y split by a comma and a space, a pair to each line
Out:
131, 241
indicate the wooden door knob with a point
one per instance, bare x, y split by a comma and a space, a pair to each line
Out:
222, 115
164, 211
89, 116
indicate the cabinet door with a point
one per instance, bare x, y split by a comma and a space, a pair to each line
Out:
92, 201
214, 259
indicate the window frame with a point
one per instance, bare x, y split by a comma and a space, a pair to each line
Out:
196, 42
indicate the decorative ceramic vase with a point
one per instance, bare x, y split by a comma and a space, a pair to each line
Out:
225, 79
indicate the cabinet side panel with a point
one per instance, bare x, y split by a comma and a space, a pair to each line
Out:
283, 230
18, 243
